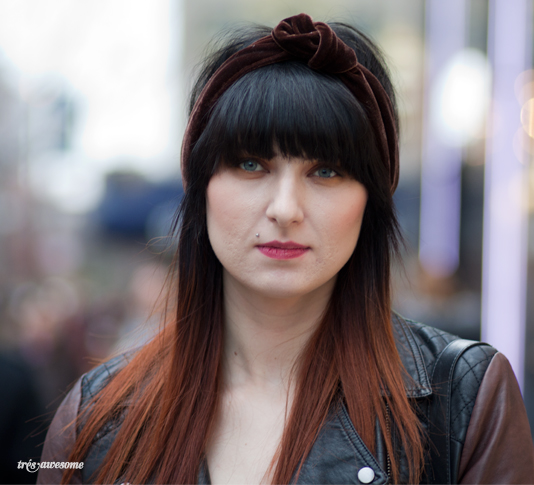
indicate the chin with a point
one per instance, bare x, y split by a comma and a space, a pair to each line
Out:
281, 293
285, 290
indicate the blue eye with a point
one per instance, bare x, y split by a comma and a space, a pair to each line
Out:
325, 173
250, 166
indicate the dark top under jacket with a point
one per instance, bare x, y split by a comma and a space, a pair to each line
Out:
488, 422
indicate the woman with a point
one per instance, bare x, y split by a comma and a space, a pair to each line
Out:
282, 361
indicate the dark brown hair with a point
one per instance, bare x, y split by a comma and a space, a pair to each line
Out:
171, 389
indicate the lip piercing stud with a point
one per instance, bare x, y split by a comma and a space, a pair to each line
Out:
257, 234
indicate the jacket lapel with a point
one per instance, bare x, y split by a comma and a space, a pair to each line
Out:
416, 381
339, 455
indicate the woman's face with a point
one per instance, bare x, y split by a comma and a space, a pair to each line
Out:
308, 218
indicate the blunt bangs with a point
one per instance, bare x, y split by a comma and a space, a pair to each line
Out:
290, 109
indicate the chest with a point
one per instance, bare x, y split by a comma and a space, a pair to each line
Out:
246, 438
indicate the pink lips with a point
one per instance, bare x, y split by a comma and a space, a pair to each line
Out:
282, 250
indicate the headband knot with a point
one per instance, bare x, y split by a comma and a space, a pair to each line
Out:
316, 43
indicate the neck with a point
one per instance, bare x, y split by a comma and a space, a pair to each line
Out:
264, 336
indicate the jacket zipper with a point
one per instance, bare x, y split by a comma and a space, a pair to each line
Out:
388, 430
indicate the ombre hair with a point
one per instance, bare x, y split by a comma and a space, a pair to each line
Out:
168, 396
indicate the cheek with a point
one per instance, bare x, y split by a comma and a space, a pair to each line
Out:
352, 217
228, 213
217, 204
220, 209
344, 224
345, 212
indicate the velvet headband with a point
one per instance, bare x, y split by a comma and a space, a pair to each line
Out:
299, 38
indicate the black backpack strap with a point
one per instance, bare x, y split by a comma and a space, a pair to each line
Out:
439, 428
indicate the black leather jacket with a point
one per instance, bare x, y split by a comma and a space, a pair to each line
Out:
495, 448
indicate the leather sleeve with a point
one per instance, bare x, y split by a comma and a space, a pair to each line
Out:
498, 446
60, 439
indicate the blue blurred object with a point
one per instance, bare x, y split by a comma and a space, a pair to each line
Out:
130, 202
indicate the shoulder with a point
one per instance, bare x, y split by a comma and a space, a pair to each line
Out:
66, 425
498, 446
96, 379
471, 389
445, 366
433, 347
439, 363
90, 385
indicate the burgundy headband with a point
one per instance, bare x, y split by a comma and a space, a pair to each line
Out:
299, 38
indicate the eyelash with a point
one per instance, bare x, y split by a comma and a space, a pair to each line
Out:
241, 165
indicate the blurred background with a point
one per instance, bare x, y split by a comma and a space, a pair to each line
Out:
93, 98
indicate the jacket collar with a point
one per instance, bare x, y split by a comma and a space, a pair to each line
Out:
339, 454
416, 381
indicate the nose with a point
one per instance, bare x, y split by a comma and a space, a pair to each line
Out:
286, 200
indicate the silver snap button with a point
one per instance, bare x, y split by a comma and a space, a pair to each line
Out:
366, 475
